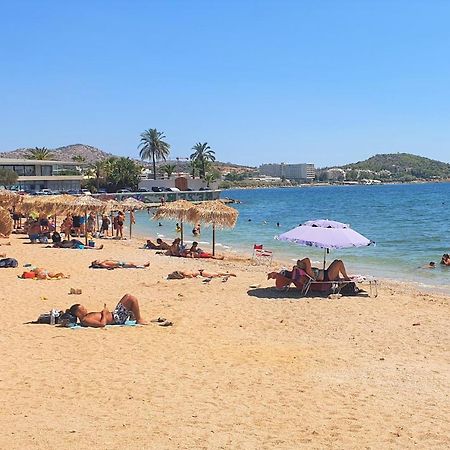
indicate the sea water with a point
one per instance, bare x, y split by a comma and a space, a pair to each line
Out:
409, 223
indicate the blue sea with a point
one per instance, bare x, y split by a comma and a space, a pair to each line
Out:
410, 224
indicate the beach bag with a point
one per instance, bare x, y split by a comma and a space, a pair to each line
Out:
349, 289
45, 318
8, 262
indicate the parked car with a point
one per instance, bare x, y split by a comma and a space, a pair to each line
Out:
123, 191
102, 191
143, 190
157, 189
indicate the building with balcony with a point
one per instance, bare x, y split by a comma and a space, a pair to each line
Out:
295, 172
35, 175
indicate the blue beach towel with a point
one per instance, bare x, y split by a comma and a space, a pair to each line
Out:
128, 323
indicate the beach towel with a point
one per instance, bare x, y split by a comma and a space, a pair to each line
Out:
128, 323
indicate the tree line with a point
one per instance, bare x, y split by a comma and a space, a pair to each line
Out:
122, 172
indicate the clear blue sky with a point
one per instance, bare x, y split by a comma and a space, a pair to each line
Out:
327, 82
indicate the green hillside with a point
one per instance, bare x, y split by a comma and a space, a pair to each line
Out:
403, 165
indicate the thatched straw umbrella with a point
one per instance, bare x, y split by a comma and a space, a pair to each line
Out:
6, 223
9, 199
87, 203
217, 214
177, 210
131, 204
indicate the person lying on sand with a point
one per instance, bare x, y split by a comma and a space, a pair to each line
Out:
331, 274
196, 252
179, 274
114, 264
160, 245
43, 274
75, 244
128, 305
175, 248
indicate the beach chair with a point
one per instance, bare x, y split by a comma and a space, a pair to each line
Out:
330, 287
261, 256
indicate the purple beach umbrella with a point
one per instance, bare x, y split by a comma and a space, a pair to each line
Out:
325, 234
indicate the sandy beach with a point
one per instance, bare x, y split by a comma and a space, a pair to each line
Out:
240, 368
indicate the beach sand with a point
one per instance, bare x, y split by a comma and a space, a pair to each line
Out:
240, 368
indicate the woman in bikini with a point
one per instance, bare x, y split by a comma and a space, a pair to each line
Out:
335, 269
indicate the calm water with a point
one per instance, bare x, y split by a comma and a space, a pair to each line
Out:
409, 223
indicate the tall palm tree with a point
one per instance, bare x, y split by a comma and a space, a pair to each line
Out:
153, 147
78, 158
202, 154
41, 153
168, 169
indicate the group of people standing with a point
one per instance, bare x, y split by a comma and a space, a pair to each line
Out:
76, 225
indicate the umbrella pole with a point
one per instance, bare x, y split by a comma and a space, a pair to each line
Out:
214, 239
182, 234
85, 227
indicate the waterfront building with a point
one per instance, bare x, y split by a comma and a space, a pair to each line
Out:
35, 175
295, 172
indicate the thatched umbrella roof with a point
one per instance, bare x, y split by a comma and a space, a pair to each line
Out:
112, 205
87, 203
214, 212
9, 199
6, 223
131, 204
178, 210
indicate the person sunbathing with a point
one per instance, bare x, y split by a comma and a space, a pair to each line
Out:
179, 274
43, 274
75, 244
128, 306
115, 264
284, 278
196, 252
335, 269
160, 245
175, 248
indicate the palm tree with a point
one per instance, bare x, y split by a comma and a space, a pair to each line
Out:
153, 147
98, 170
169, 169
41, 153
209, 178
78, 158
202, 154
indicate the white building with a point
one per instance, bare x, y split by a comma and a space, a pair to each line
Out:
35, 175
297, 172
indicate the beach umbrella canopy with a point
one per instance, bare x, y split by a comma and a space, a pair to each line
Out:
6, 223
177, 210
131, 204
326, 234
215, 213
9, 199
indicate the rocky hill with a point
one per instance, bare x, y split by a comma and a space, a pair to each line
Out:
403, 163
67, 153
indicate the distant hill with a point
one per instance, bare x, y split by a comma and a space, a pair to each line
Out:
399, 164
89, 153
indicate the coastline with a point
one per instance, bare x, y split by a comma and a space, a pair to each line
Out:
241, 367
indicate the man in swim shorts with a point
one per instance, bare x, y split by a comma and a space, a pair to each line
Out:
128, 305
